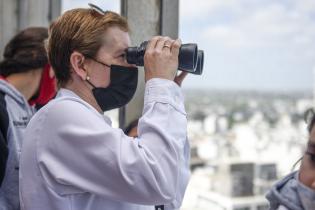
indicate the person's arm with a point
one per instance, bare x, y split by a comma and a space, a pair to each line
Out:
81, 153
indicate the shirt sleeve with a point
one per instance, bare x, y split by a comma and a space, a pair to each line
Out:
83, 153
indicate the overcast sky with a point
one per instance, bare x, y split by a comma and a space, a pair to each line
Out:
248, 44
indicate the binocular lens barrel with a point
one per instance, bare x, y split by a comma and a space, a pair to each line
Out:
190, 59
199, 67
187, 58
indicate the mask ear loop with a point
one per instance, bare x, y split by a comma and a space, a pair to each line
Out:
88, 81
297, 162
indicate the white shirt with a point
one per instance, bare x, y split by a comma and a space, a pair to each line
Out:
72, 159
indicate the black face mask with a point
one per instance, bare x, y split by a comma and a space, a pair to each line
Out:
122, 87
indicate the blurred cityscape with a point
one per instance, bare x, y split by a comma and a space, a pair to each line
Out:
242, 142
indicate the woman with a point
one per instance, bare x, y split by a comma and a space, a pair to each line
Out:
297, 190
72, 158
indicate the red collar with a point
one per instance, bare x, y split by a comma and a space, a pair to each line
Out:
3, 78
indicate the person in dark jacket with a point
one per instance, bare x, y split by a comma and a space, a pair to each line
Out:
297, 190
26, 84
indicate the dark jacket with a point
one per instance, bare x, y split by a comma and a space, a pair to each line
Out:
15, 113
4, 123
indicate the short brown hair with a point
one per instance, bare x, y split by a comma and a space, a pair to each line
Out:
80, 30
25, 51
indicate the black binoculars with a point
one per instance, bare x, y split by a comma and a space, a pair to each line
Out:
190, 59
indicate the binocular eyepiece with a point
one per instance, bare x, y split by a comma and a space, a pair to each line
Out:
190, 59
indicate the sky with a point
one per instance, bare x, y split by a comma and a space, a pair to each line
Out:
266, 45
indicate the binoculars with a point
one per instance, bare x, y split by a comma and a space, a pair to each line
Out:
190, 59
